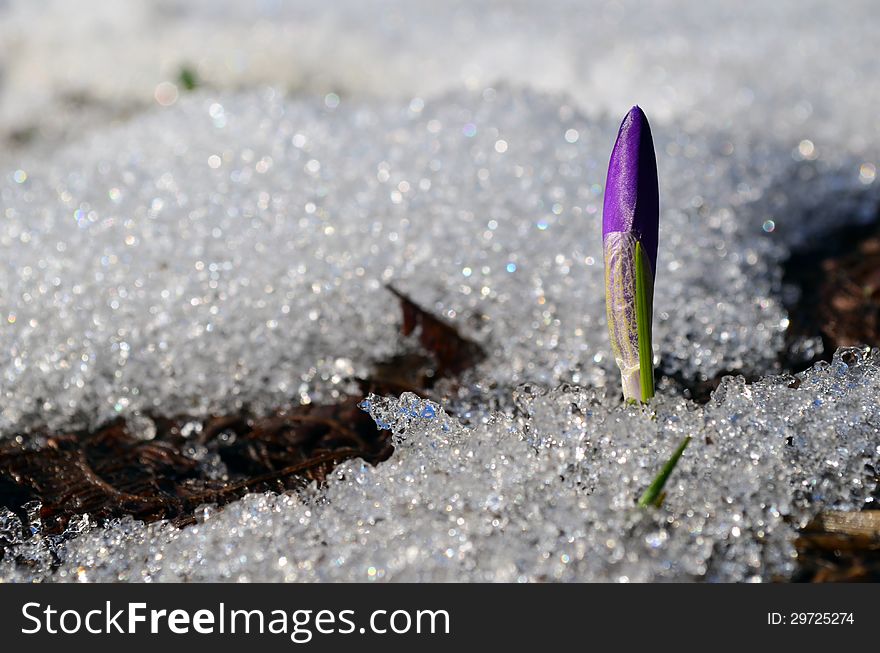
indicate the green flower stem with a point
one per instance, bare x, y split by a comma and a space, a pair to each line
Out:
644, 309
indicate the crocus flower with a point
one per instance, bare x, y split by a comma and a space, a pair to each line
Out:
630, 221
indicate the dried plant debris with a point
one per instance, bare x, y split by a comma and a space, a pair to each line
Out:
157, 467
113, 471
840, 547
452, 352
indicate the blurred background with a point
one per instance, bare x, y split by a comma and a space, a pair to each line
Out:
798, 68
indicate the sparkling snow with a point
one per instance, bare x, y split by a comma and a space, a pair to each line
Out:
232, 249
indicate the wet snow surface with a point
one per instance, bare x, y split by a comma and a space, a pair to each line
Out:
233, 250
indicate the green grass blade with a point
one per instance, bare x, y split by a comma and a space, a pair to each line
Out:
643, 324
653, 496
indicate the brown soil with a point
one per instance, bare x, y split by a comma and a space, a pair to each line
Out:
111, 472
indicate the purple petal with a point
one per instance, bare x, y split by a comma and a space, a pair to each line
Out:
632, 199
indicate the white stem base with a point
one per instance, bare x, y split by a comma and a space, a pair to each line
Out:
632, 384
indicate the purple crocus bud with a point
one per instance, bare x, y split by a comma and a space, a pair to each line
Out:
630, 222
